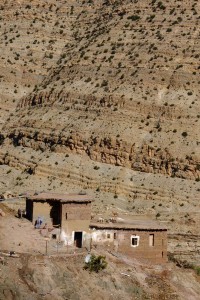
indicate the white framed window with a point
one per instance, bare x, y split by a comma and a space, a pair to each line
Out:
135, 240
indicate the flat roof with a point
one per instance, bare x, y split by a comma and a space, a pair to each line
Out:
134, 225
61, 197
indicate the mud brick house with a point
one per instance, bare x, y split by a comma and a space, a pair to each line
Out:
70, 212
145, 240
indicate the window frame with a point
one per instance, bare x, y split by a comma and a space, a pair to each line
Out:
137, 237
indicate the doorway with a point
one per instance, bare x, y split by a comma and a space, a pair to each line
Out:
78, 236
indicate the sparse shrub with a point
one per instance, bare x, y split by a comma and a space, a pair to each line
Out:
104, 83
88, 79
96, 263
184, 134
197, 269
134, 18
96, 168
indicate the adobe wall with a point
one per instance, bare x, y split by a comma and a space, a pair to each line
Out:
76, 211
104, 236
75, 225
68, 238
122, 243
156, 253
78, 216
42, 209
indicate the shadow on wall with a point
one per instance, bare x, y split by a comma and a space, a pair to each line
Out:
55, 213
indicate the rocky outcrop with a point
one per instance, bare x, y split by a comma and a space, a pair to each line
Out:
108, 150
17, 162
98, 103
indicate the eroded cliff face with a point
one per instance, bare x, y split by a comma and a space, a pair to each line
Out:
110, 150
108, 101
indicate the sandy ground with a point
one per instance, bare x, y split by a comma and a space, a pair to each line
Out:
19, 234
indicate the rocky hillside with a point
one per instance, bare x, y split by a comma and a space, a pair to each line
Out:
124, 89
103, 95
38, 277
31, 43
61, 274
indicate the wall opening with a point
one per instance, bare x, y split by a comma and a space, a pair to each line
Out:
108, 235
66, 216
115, 235
78, 237
55, 213
54, 236
29, 210
135, 240
151, 240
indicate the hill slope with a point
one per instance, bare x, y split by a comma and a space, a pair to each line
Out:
108, 101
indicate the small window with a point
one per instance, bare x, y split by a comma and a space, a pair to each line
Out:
54, 236
135, 240
115, 235
66, 216
151, 240
108, 235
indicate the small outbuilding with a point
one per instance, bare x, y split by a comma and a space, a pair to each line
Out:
143, 240
69, 212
